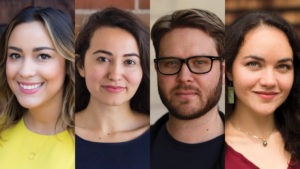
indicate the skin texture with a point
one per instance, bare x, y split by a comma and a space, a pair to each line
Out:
35, 73
112, 69
113, 73
262, 76
188, 95
268, 64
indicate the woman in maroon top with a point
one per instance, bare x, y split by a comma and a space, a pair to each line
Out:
263, 98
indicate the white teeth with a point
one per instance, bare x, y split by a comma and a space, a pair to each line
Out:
30, 87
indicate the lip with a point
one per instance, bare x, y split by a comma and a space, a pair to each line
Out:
186, 93
266, 95
113, 89
30, 88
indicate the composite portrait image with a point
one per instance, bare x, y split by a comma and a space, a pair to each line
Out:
149, 84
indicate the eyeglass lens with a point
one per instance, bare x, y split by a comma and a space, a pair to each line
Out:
195, 64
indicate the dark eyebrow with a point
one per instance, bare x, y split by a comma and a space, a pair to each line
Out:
103, 51
131, 54
254, 57
43, 48
261, 59
285, 60
35, 49
15, 48
110, 54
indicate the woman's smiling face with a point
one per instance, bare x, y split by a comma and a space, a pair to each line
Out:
263, 70
35, 71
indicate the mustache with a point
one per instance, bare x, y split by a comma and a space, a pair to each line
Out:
186, 87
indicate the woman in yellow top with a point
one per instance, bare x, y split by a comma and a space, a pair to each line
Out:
37, 91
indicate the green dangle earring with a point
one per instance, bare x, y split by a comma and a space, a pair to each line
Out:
230, 93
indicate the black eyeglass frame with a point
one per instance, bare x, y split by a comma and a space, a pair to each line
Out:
212, 58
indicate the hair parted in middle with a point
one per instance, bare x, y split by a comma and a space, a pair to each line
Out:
115, 18
61, 31
287, 116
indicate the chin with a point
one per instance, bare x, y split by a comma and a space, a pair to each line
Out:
113, 103
267, 112
28, 104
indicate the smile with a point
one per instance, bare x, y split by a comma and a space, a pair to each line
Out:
266, 95
30, 88
113, 89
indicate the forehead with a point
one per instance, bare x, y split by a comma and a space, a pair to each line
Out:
184, 42
30, 33
111, 35
266, 41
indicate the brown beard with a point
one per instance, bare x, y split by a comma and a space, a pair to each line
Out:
212, 101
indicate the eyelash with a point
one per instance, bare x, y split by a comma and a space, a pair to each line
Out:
44, 56
102, 59
285, 67
130, 62
126, 62
280, 67
14, 56
253, 64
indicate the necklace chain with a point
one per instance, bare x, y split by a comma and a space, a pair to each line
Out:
264, 140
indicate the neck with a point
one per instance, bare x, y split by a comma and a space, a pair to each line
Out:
253, 123
45, 119
198, 130
105, 118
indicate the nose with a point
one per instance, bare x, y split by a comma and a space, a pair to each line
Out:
115, 72
184, 75
27, 69
268, 78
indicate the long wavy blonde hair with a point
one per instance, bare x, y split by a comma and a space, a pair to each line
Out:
60, 29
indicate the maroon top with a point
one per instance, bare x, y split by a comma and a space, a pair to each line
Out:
234, 159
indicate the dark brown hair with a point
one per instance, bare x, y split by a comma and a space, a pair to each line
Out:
287, 115
114, 17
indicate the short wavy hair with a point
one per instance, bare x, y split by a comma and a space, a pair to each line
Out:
190, 18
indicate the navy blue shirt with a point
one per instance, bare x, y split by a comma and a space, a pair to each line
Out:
134, 154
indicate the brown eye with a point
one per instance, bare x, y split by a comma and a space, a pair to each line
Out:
14, 56
284, 67
102, 59
130, 62
44, 56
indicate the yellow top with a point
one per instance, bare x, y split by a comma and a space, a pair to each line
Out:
21, 148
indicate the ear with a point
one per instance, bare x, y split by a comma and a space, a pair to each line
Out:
229, 76
223, 72
155, 66
80, 69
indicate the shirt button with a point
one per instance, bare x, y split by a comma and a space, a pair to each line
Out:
31, 156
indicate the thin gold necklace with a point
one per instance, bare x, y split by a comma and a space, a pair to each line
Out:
264, 140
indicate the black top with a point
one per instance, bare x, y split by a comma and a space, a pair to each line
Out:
166, 152
134, 154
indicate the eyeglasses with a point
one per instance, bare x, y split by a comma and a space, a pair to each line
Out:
196, 64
